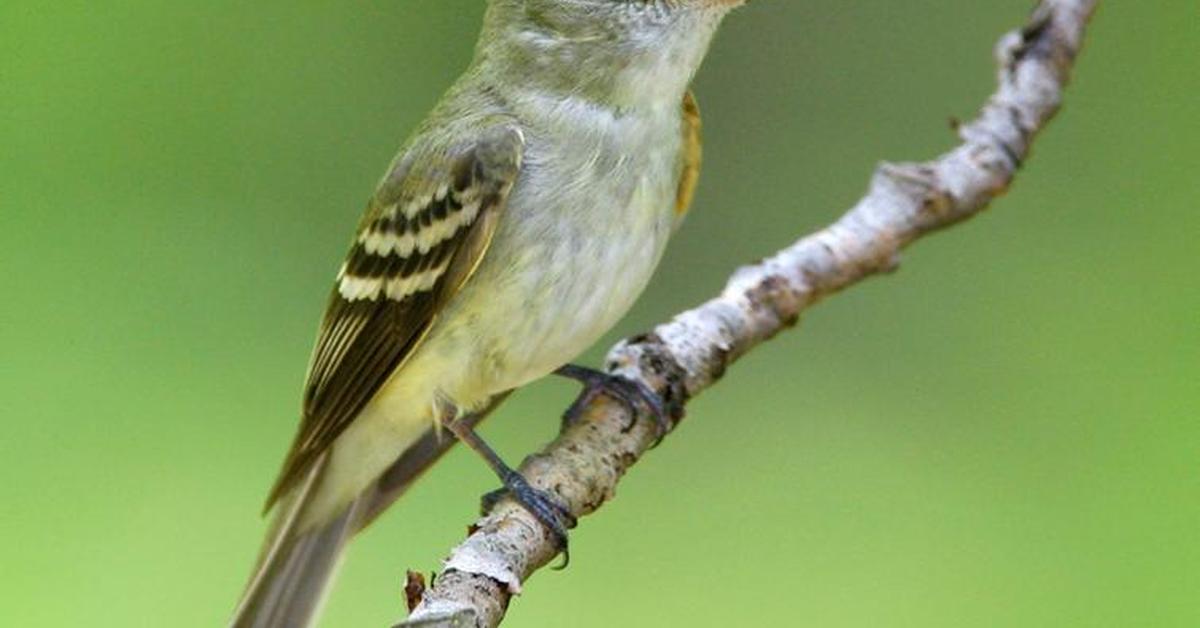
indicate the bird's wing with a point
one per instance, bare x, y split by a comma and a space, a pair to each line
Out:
690, 157
423, 235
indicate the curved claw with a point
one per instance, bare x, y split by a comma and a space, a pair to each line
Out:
634, 395
541, 504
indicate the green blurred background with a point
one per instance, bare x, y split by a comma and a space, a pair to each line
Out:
1003, 434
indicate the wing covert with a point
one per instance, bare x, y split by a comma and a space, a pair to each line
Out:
422, 236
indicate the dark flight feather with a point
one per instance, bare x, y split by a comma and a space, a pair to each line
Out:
423, 235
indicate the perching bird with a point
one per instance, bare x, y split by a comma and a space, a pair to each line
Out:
517, 225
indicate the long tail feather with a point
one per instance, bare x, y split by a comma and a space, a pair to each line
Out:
296, 566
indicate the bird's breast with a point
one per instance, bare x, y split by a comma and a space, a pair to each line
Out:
583, 230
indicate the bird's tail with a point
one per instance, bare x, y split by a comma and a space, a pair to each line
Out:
296, 565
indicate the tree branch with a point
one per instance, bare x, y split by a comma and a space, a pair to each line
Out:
683, 357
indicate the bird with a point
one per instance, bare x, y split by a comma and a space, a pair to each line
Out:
517, 224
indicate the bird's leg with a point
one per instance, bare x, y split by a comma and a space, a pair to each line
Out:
635, 396
541, 504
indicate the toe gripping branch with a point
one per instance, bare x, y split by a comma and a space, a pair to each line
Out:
636, 396
544, 506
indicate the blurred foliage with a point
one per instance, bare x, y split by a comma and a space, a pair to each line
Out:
1003, 434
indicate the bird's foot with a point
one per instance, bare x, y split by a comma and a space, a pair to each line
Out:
543, 505
634, 395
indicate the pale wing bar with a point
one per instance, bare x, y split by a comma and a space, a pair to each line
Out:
421, 238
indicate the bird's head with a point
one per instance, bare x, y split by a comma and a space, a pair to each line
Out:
625, 51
